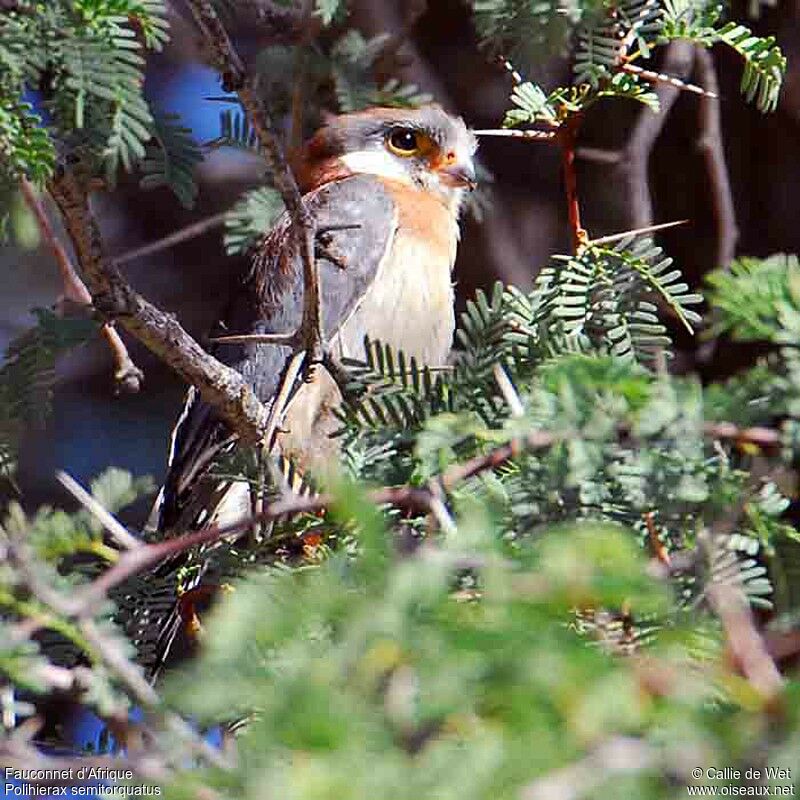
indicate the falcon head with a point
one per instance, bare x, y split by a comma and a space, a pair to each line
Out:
425, 148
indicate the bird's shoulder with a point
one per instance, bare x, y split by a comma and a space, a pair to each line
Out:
356, 216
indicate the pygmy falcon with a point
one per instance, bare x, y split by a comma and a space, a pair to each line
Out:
385, 187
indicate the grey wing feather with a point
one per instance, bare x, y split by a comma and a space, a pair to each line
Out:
359, 216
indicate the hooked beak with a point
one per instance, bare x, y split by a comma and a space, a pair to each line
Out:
460, 176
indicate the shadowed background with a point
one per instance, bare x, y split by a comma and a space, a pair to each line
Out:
523, 222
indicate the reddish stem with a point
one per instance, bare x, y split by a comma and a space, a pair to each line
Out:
567, 137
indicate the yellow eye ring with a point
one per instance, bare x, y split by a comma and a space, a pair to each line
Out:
404, 142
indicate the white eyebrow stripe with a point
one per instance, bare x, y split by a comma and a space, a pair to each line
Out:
376, 162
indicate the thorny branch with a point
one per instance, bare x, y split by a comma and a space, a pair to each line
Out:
710, 144
274, 22
748, 649
189, 232
127, 375
235, 78
567, 139
114, 298
424, 499
678, 59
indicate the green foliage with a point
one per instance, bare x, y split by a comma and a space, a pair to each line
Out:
55, 535
172, 160
611, 40
584, 510
689, 19
532, 105
328, 10
388, 666
84, 60
608, 297
393, 683
27, 376
62, 550
764, 64
525, 30
25, 148
253, 214
353, 59
758, 298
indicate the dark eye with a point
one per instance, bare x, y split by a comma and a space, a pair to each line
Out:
404, 142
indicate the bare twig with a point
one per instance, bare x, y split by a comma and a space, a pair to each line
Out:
766, 438
73, 287
672, 80
508, 391
657, 546
117, 530
678, 60
221, 386
536, 440
135, 561
422, 499
128, 377
182, 235
512, 70
255, 338
235, 78
279, 404
599, 155
513, 133
744, 641
299, 78
567, 138
712, 147
116, 659
615, 237
583, 778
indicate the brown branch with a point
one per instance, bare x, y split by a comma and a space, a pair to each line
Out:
272, 22
117, 530
422, 499
711, 145
567, 138
135, 561
235, 78
298, 93
582, 778
536, 440
113, 297
73, 288
513, 133
748, 649
657, 546
182, 235
127, 376
672, 80
678, 60
766, 438
615, 237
